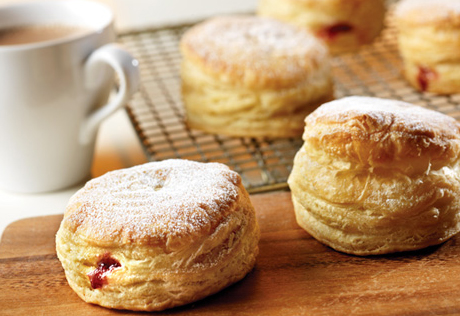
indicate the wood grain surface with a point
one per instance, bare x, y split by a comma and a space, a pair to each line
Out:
294, 275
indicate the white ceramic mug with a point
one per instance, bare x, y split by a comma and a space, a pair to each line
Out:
53, 94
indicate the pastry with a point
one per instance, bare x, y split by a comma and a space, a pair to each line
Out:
376, 176
345, 25
252, 76
158, 235
429, 43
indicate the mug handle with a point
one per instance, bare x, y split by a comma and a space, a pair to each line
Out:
127, 69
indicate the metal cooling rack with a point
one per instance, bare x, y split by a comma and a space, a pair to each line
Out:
157, 113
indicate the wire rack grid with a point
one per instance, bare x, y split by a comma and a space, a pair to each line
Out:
157, 112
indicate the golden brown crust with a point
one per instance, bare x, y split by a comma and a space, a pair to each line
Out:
177, 230
344, 25
252, 76
223, 108
162, 204
375, 132
377, 176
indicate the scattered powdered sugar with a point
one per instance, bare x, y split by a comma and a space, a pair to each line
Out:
374, 132
254, 42
385, 112
153, 202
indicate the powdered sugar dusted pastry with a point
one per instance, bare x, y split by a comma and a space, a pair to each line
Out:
429, 43
158, 235
376, 176
344, 25
252, 76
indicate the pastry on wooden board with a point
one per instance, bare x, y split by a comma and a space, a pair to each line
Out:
158, 235
377, 176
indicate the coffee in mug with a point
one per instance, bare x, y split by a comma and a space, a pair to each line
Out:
58, 61
39, 33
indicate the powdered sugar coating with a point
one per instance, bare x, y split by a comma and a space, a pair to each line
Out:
428, 11
384, 133
163, 203
246, 46
409, 115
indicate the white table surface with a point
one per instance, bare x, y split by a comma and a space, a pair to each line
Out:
117, 144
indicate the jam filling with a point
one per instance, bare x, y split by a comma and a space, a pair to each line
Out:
330, 32
425, 75
105, 265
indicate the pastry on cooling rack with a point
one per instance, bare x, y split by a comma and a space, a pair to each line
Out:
252, 76
158, 235
377, 176
345, 25
429, 43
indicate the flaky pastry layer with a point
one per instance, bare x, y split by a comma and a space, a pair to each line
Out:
441, 78
250, 76
220, 107
429, 42
376, 176
167, 260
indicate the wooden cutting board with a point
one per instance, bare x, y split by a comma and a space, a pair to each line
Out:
294, 275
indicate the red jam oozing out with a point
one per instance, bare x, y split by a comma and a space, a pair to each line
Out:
425, 75
330, 32
105, 265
